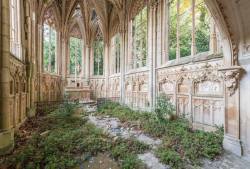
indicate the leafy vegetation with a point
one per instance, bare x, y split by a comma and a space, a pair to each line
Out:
59, 140
164, 108
181, 145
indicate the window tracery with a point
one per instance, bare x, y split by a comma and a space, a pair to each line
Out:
75, 55
98, 53
49, 49
189, 28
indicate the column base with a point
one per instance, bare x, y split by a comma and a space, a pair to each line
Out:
6, 141
232, 144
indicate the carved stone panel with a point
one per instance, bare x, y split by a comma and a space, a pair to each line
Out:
209, 88
208, 113
182, 106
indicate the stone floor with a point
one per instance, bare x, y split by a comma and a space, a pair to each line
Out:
115, 128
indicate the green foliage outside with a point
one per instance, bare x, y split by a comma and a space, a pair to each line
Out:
98, 56
202, 29
139, 33
181, 145
62, 140
75, 56
49, 48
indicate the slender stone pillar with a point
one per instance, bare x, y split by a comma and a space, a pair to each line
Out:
106, 68
87, 65
213, 38
152, 35
6, 132
64, 56
178, 54
193, 48
122, 67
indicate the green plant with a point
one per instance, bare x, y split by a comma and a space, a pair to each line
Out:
171, 158
180, 142
164, 108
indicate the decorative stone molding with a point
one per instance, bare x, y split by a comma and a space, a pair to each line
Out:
231, 77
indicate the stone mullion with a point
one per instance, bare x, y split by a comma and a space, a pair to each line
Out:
213, 37
6, 131
193, 47
178, 32
159, 35
165, 31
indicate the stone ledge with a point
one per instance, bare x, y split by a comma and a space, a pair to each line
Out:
6, 141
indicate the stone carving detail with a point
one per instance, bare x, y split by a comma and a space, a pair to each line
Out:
231, 77
196, 90
97, 85
136, 90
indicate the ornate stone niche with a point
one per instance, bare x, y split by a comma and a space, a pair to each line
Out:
208, 104
167, 87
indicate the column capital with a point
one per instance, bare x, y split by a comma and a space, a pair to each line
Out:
231, 77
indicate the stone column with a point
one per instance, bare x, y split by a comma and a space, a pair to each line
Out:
231, 140
122, 66
152, 52
91, 66
58, 63
87, 65
106, 68
6, 132
165, 32
64, 55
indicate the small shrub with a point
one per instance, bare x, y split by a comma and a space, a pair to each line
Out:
164, 108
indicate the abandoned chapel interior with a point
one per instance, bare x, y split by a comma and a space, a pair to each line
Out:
195, 53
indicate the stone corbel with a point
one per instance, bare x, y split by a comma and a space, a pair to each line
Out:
231, 77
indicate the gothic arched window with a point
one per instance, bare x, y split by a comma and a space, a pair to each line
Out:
116, 53
75, 55
98, 54
15, 29
49, 49
189, 28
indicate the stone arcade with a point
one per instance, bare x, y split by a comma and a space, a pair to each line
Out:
125, 50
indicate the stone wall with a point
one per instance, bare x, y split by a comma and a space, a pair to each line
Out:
18, 92
97, 85
196, 89
136, 90
51, 88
